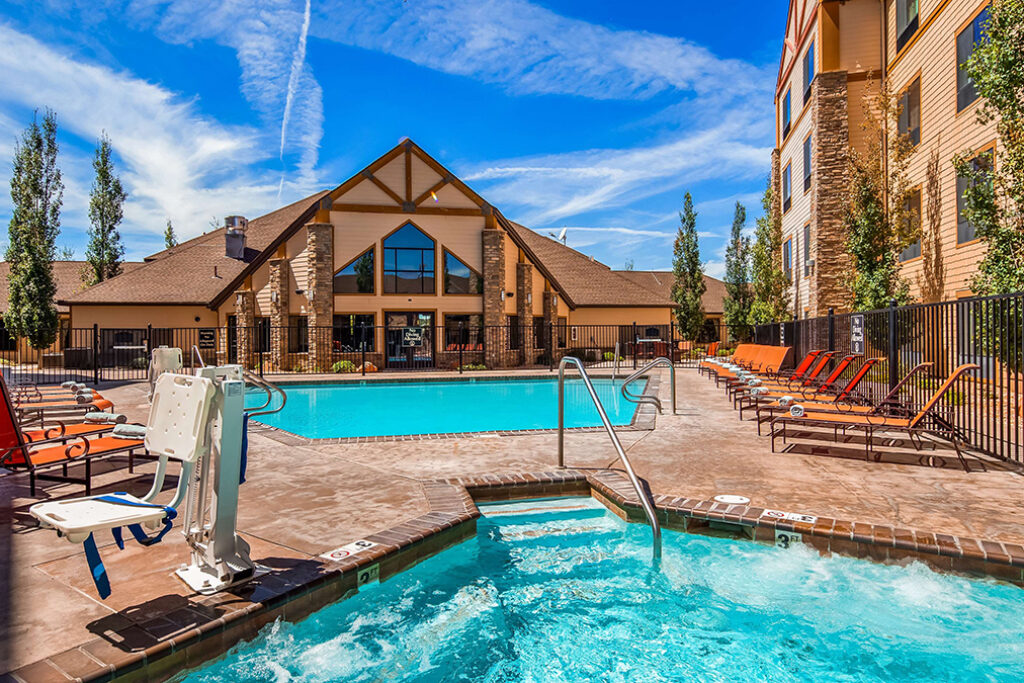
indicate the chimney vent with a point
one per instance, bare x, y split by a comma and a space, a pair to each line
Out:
234, 237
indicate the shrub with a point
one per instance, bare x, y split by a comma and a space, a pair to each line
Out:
610, 355
139, 363
473, 366
343, 366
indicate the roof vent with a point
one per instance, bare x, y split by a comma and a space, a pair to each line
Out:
234, 237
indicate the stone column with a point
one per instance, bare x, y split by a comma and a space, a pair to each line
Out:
495, 333
245, 319
320, 291
551, 321
829, 192
279, 277
524, 309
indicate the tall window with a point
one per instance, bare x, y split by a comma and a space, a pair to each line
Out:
353, 332
513, 332
906, 21
912, 216
787, 259
972, 34
460, 278
910, 111
808, 71
786, 113
807, 246
298, 334
464, 330
787, 187
807, 163
965, 231
262, 340
357, 276
408, 262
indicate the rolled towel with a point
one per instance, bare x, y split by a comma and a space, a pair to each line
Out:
68, 385
758, 391
84, 391
796, 410
129, 431
106, 418
753, 382
785, 401
84, 398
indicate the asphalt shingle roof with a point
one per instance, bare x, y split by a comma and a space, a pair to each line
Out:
661, 281
66, 274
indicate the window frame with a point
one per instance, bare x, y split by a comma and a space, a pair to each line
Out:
809, 61
448, 327
808, 154
905, 93
968, 24
904, 35
917, 191
787, 113
383, 263
787, 187
787, 259
445, 252
298, 334
807, 248
373, 248
987, 148
372, 336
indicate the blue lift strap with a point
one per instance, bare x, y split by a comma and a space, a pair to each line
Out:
92, 554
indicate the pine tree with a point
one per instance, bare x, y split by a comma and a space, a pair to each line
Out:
688, 270
105, 251
738, 295
770, 288
170, 239
37, 193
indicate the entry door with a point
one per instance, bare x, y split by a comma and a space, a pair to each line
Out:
409, 337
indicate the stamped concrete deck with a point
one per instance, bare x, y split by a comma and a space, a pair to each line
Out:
304, 498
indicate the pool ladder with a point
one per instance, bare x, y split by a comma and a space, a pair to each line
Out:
646, 501
650, 399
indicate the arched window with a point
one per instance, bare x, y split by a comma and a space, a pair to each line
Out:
408, 262
357, 276
460, 278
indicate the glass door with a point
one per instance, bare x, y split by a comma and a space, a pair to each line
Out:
409, 337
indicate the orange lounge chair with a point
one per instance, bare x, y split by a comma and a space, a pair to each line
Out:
814, 390
870, 423
38, 410
785, 378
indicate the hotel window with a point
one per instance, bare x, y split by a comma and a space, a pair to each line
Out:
357, 276
786, 112
787, 187
807, 249
807, 163
464, 330
353, 332
906, 22
460, 278
972, 34
563, 324
513, 332
262, 334
965, 231
298, 334
787, 259
808, 72
912, 216
909, 123
408, 262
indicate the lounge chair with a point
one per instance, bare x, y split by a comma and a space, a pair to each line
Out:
811, 390
39, 411
925, 420
806, 379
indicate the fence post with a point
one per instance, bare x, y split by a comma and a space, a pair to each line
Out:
149, 337
460, 346
362, 348
831, 329
636, 343
894, 361
672, 341
95, 354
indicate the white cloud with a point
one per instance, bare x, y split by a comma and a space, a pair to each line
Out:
174, 161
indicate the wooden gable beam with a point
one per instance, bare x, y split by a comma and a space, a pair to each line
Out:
372, 168
436, 187
387, 190
407, 208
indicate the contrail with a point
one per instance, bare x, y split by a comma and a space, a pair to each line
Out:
298, 59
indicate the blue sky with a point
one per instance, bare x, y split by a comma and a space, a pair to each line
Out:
596, 115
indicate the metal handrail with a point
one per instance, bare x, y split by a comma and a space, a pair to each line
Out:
615, 369
268, 387
645, 500
198, 356
654, 400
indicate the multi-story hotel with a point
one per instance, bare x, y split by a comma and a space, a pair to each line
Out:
834, 51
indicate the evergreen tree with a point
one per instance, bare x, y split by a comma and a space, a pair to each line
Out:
37, 193
738, 294
105, 251
688, 270
770, 288
170, 239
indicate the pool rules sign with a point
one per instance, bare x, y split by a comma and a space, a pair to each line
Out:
857, 334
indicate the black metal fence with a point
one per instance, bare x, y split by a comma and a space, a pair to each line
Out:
985, 405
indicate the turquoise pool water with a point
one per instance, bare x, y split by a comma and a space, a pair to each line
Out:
562, 591
323, 411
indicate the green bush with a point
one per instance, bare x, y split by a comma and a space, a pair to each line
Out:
610, 355
473, 366
139, 363
343, 366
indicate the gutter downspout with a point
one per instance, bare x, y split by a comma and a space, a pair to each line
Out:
883, 30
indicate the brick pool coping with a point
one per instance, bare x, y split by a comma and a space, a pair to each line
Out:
210, 625
644, 417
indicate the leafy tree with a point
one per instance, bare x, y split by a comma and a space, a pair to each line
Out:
994, 197
170, 239
876, 233
66, 254
688, 270
932, 279
105, 251
37, 193
738, 294
770, 288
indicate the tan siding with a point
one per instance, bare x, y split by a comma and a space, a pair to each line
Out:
859, 48
423, 177
365, 192
393, 175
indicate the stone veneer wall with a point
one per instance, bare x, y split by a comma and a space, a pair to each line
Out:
245, 318
524, 310
320, 292
279, 277
494, 285
830, 107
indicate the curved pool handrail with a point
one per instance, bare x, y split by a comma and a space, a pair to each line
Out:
645, 500
198, 356
268, 387
643, 398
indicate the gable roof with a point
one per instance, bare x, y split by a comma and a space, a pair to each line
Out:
67, 275
660, 281
197, 272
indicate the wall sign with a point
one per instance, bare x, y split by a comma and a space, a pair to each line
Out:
207, 338
857, 333
412, 337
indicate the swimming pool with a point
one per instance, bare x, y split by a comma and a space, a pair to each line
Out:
562, 590
376, 408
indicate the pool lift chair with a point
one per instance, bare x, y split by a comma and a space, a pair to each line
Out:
163, 359
198, 421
